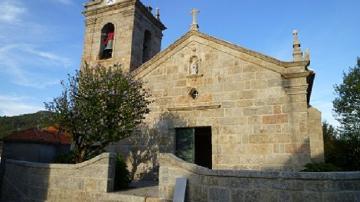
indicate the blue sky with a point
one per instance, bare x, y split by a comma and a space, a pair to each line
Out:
41, 40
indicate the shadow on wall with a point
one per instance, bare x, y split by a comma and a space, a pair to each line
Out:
295, 155
299, 156
141, 149
86, 181
18, 183
295, 159
144, 146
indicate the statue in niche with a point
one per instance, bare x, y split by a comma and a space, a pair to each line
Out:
194, 65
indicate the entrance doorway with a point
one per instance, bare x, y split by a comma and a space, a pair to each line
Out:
194, 145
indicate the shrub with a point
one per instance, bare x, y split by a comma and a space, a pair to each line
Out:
320, 167
122, 175
67, 158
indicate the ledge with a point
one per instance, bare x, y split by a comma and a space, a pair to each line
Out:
62, 166
170, 160
297, 75
195, 76
122, 4
204, 107
97, 10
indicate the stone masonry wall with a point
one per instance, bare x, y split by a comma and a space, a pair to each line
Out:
142, 23
27, 181
233, 186
316, 135
122, 45
130, 19
258, 118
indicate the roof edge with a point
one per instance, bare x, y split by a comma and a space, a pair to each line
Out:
161, 53
190, 33
253, 53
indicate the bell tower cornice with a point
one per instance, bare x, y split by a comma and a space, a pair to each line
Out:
96, 7
99, 6
124, 32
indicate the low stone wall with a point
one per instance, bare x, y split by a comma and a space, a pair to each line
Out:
87, 181
234, 185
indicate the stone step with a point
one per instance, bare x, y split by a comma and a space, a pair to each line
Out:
118, 197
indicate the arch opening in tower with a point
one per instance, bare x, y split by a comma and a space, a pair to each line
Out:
107, 41
146, 55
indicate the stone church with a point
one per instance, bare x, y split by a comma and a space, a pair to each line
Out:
215, 104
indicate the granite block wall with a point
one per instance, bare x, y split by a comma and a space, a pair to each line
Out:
235, 185
28, 181
259, 116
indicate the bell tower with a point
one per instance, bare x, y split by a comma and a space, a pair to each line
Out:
120, 32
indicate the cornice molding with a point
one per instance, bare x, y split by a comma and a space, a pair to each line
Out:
191, 108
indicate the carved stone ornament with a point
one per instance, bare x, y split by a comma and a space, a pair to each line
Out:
109, 2
194, 65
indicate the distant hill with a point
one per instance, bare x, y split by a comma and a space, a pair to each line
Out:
15, 123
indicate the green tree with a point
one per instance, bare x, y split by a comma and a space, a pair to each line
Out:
99, 106
347, 103
347, 107
330, 140
12, 124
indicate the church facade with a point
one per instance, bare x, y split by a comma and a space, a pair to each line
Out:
215, 104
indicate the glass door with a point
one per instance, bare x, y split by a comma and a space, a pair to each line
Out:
185, 144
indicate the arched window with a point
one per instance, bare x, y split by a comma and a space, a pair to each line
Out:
146, 46
107, 41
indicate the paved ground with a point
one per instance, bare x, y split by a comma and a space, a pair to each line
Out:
142, 188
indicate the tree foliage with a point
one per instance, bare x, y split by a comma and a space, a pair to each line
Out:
347, 108
99, 106
11, 124
330, 142
347, 103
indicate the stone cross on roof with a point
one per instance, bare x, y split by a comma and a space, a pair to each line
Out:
195, 25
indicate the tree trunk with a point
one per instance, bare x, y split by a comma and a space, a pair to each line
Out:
80, 156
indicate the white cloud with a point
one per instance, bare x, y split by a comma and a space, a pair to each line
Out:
22, 63
27, 61
16, 105
11, 11
51, 57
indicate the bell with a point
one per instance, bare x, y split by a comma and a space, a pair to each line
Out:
109, 45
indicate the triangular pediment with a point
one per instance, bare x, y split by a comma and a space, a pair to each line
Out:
247, 55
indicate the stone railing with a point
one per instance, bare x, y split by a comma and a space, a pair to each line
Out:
27, 181
234, 185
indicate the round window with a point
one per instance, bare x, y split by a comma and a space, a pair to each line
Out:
194, 93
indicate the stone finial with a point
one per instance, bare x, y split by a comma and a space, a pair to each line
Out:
157, 15
195, 25
297, 53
